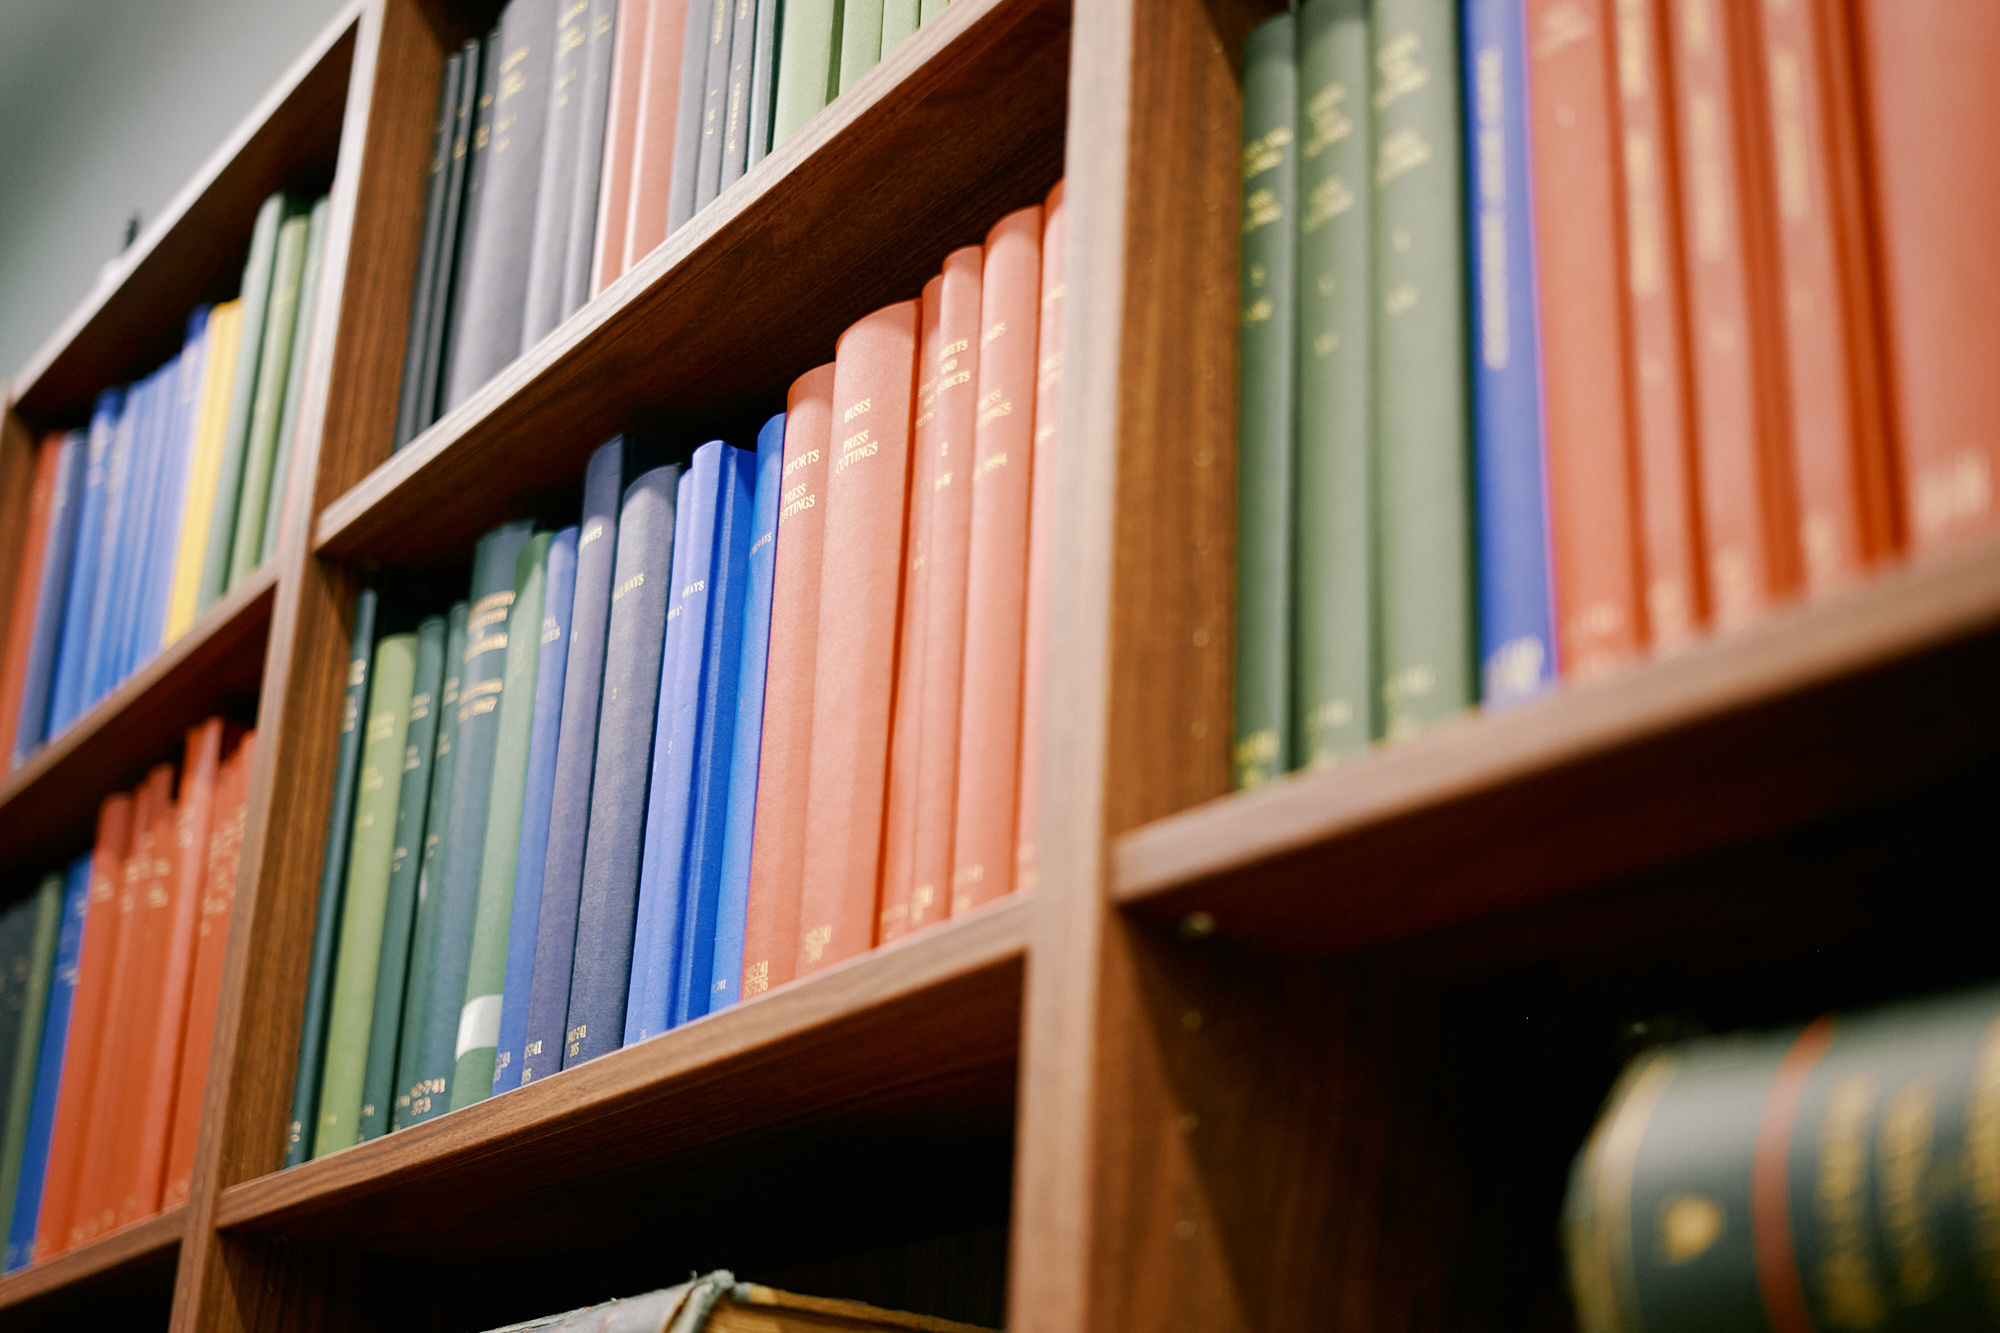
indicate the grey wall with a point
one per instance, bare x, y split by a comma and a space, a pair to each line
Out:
109, 107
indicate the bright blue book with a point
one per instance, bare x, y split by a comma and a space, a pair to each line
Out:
531, 861
99, 656
181, 410
1516, 593
72, 658
142, 488
732, 902
65, 506
49, 1066
576, 756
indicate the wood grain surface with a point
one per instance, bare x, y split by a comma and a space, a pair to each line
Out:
124, 1279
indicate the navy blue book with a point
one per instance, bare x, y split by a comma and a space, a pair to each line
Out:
1516, 592
531, 861
72, 658
634, 640
725, 985
576, 758
111, 560
65, 506
49, 1066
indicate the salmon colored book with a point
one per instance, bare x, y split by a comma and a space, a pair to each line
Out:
223, 858
95, 966
996, 576
621, 127
1840, 446
1041, 540
947, 472
1932, 105
1656, 303
27, 589
133, 1195
1748, 502
778, 844
899, 839
1586, 406
854, 679
653, 137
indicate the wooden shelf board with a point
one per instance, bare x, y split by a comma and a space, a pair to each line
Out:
963, 122
918, 1036
152, 1243
48, 806
1804, 714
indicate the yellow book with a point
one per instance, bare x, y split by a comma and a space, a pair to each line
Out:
225, 336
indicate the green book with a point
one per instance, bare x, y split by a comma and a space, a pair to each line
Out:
256, 296
899, 21
1333, 631
1260, 745
410, 1099
288, 424
930, 9
808, 64
268, 405
486, 976
31, 931
860, 40
378, 1079
373, 842
1423, 470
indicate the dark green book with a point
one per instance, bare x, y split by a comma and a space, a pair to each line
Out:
332, 880
399, 912
1333, 631
295, 385
411, 1098
475, 751
1423, 469
486, 969
267, 408
27, 953
412, 415
1260, 746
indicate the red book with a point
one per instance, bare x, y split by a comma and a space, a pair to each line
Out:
621, 127
778, 843
653, 135
27, 590
996, 577
854, 678
1932, 105
1748, 501
1586, 409
95, 966
223, 858
1041, 539
947, 472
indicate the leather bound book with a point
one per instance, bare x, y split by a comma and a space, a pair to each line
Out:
715, 99
51, 594
51, 989
472, 130
808, 64
736, 99
784, 759
658, 115
1041, 538
617, 172
706, 41
854, 676
1930, 104
66, 691
20, 631
860, 40
256, 296
412, 415
580, 242
763, 81
1587, 403
548, 250
947, 473
996, 581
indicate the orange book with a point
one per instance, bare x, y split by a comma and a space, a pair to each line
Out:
1932, 104
854, 678
1748, 505
223, 859
27, 590
996, 576
1586, 406
947, 472
1041, 539
653, 133
1846, 509
778, 843
132, 1196
94, 970
621, 127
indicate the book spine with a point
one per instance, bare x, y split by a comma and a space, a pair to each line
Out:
736, 100
38, 668
277, 515
412, 415
867, 493
576, 758
1421, 451
1041, 538
1260, 748
635, 637
777, 859
899, 21
548, 250
59, 989
66, 698
113, 560
20, 630
32, 927
707, 33
531, 856
654, 146
808, 64
134, 1137
619, 170
604, 36
281, 326
332, 880
860, 41
472, 131
763, 81
174, 498
225, 326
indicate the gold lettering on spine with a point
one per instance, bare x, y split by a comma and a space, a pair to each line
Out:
1846, 1282
1710, 190
1401, 74
1981, 1162
1908, 1126
1788, 135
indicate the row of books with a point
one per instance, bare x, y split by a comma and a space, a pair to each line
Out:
576, 136
1572, 329
751, 716
171, 497
717, 1303
107, 1004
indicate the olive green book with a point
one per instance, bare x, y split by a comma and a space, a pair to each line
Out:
929, 9
899, 22
30, 976
369, 849
267, 407
486, 976
1423, 470
1260, 743
860, 39
808, 64
1333, 630
295, 385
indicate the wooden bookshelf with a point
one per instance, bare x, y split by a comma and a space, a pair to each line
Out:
124, 1278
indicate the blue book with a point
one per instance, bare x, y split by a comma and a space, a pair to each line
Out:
65, 505
72, 658
98, 657
576, 756
142, 487
1516, 590
732, 902
49, 1066
634, 640
184, 403
531, 861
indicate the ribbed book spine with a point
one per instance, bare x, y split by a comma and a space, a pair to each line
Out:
258, 274
1041, 538
59, 985
412, 414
